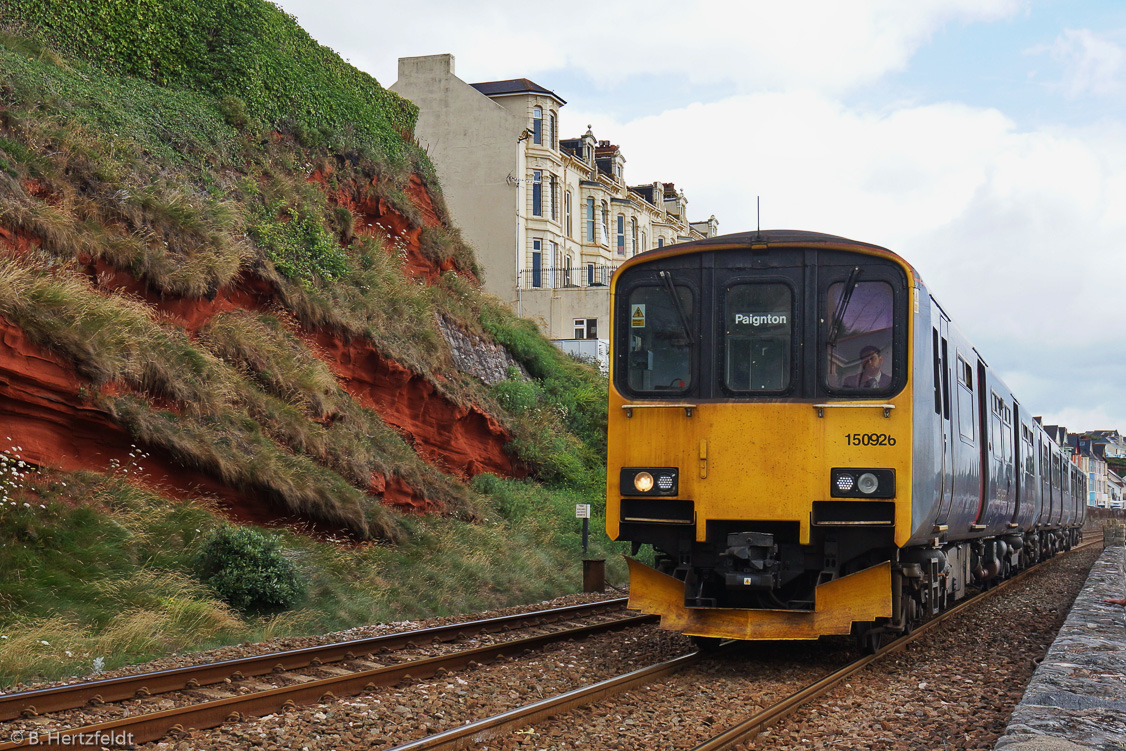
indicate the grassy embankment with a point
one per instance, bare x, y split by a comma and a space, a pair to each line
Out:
178, 148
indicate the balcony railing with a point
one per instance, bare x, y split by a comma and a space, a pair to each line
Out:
569, 277
596, 351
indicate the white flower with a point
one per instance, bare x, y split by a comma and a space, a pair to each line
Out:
45, 643
27, 505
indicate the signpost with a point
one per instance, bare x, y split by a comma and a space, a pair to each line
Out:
594, 570
582, 511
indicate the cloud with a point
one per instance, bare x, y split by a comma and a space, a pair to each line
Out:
1093, 64
739, 43
1018, 233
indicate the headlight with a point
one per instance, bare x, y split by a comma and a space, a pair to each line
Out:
861, 483
651, 481
643, 482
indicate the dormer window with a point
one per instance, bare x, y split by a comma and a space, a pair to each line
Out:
537, 126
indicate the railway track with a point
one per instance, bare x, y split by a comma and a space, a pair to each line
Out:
464, 726
480, 732
151, 726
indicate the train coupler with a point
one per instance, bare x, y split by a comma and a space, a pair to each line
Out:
753, 556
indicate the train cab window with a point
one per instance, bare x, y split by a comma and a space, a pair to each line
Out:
758, 337
858, 326
661, 342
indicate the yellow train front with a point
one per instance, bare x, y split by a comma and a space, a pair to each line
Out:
776, 434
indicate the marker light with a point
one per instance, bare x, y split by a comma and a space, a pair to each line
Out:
649, 481
849, 482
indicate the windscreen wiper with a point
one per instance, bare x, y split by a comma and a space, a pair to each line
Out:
842, 306
666, 277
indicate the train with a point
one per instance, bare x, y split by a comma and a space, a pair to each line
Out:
811, 447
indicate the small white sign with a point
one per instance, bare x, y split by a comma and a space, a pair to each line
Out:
582, 510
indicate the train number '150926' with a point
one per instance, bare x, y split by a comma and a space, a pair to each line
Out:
870, 439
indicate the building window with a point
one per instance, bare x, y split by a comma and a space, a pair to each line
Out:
605, 239
537, 126
590, 220
586, 328
537, 263
554, 198
633, 235
551, 131
643, 244
660, 242
537, 193
567, 214
621, 235
567, 271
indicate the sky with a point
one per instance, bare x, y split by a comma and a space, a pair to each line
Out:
982, 140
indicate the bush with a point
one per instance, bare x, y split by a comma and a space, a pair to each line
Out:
247, 569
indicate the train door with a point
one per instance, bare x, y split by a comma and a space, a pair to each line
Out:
1045, 479
967, 497
1003, 451
1024, 514
988, 478
1018, 462
945, 447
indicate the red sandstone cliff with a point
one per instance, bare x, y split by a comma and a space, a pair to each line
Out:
46, 409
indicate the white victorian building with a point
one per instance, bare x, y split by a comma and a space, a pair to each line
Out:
549, 218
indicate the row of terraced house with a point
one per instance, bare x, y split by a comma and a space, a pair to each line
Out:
550, 218
1090, 451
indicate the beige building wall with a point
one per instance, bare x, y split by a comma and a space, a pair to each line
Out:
474, 144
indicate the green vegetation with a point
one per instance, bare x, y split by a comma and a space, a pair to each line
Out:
103, 573
184, 152
247, 54
247, 570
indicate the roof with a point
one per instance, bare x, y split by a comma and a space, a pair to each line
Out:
783, 236
514, 86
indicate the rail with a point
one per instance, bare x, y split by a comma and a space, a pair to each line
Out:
57, 698
144, 728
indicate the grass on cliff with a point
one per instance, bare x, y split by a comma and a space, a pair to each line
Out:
154, 181
101, 572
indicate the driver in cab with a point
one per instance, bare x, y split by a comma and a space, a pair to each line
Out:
871, 375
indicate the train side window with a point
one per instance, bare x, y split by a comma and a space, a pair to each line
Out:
758, 337
965, 399
661, 344
858, 336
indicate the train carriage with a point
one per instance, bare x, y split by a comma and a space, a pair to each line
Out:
811, 446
